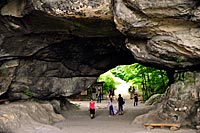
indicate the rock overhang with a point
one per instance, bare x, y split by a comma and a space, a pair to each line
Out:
86, 38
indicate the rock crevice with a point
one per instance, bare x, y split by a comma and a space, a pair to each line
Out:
58, 48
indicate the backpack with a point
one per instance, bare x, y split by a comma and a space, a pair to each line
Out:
123, 102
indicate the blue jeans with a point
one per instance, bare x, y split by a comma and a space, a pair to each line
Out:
111, 111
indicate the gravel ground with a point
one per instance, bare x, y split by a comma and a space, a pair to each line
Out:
79, 121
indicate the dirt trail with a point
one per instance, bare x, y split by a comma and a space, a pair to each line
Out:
80, 122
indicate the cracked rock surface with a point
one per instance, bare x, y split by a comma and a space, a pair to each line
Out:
53, 48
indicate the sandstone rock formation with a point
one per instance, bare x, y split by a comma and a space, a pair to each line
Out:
45, 54
58, 48
164, 32
27, 115
181, 104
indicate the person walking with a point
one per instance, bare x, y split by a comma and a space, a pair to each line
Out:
131, 90
99, 94
120, 104
92, 108
110, 107
135, 99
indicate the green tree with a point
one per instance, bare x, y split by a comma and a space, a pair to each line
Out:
109, 81
149, 80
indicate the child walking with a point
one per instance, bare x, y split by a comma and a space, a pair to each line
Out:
92, 108
110, 107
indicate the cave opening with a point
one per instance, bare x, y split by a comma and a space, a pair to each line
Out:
146, 81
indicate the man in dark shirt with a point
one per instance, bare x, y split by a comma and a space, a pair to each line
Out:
99, 94
120, 104
135, 99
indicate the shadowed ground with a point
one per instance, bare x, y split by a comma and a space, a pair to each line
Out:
79, 121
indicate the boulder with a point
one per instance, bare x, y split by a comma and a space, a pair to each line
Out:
27, 116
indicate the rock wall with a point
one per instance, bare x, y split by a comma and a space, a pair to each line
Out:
181, 104
163, 32
27, 117
58, 48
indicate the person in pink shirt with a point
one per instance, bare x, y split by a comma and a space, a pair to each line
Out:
92, 108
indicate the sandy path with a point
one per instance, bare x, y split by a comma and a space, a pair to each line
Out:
80, 122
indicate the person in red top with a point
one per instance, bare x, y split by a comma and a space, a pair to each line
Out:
92, 108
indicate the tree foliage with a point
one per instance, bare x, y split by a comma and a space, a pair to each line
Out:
148, 80
109, 81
